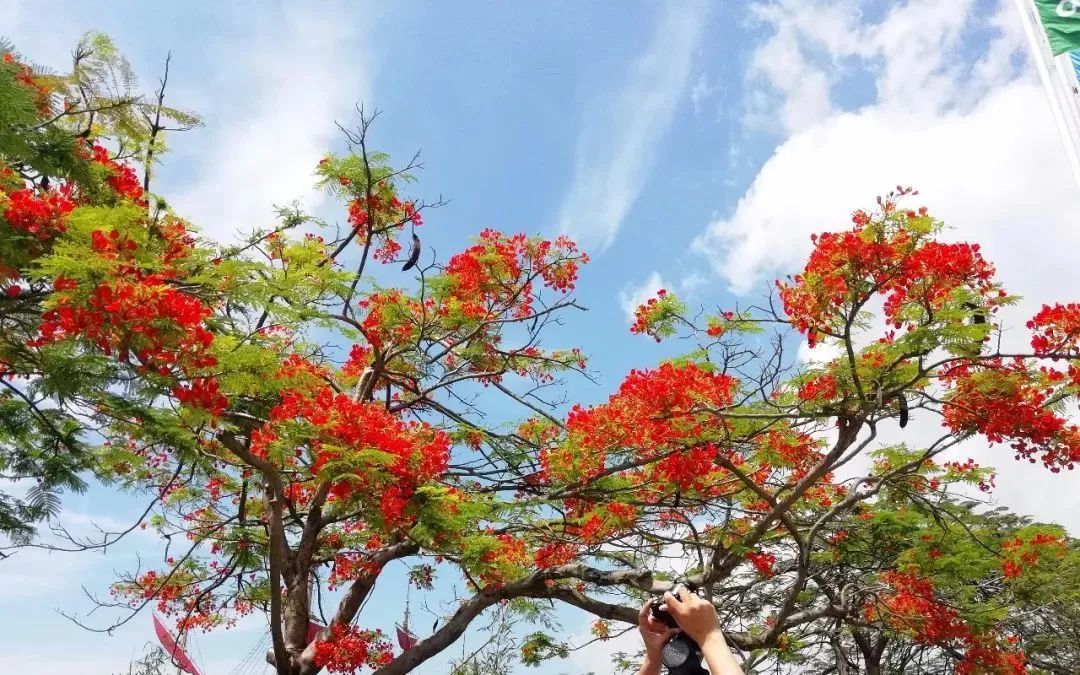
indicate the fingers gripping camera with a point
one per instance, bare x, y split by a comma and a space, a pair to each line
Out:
681, 655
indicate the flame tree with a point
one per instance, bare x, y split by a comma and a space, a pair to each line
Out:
298, 426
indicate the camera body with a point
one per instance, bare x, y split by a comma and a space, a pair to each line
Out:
681, 655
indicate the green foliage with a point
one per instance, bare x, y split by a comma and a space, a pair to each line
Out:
47, 123
539, 647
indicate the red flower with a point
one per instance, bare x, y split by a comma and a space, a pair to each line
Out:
496, 275
350, 649
120, 177
886, 257
818, 388
40, 214
1008, 404
763, 563
554, 555
1057, 330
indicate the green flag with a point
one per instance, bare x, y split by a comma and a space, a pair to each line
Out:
1061, 21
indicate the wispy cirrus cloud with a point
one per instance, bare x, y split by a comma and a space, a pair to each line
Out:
262, 151
618, 141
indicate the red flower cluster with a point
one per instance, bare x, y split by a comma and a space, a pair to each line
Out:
762, 562
1057, 330
930, 274
554, 555
139, 314
986, 656
842, 266
1020, 554
601, 522
496, 275
38, 213
203, 393
912, 608
510, 553
339, 430
389, 217
349, 565
880, 257
1004, 402
25, 77
391, 319
349, 649
716, 326
795, 451
818, 388
653, 409
970, 468
178, 592
649, 313
359, 359
120, 177
693, 470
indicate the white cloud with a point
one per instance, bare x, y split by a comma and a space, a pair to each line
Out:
631, 297
918, 42
692, 281
11, 15
616, 147
30, 573
979, 170
701, 91
814, 44
964, 150
781, 78
595, 657
118, 660
39, 572
818, 355
981, 146
265, 152
43, 663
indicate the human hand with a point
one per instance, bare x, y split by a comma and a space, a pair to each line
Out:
695, 615
653, 632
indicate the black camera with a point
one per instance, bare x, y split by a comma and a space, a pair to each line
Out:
681, 655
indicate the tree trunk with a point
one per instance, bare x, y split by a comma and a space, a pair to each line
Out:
297, 616
873, 656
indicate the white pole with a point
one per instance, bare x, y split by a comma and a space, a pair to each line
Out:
1066, 72
1043, 59
1062, 68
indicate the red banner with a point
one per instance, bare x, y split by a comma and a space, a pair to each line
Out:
405, 639
175, 652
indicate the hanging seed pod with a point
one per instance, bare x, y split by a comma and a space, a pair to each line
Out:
903, 410
414, 254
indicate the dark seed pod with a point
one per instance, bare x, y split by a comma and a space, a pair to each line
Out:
414, 254
903, 411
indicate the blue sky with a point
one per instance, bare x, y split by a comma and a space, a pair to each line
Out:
689, 145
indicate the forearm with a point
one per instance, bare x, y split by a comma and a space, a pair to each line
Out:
719, 657
651, 665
